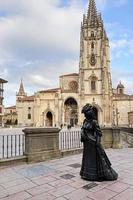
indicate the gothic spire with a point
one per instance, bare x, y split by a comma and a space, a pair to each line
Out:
21, 89
92, 12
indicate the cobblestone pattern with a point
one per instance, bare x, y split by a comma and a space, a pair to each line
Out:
47, 180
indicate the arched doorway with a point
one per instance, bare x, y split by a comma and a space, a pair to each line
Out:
71, 112
49, 119
96, 112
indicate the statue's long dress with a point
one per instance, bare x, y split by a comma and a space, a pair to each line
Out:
95, 163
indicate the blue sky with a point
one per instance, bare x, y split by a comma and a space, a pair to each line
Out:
39, 40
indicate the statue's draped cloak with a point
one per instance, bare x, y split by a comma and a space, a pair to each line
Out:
95, 163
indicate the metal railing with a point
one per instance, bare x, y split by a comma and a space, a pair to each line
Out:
70, 140
12, 146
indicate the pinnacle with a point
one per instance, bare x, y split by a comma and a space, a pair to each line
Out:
21, 89
92, 11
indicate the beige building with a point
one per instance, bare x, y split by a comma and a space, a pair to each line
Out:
130, 119
10, 116
25, 107
62, 106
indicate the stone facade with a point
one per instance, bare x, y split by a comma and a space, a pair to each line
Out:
10, 116
25, 107
130, 119
62, 106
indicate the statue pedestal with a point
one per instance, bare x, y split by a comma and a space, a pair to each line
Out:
41, 144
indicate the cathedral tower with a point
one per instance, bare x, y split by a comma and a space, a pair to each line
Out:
95, 84
21, 92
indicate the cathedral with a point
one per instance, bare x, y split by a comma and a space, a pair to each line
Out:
62, 106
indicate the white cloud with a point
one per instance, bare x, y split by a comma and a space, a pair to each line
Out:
39, 40
42, 25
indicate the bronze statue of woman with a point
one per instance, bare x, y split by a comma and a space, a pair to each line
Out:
95, 163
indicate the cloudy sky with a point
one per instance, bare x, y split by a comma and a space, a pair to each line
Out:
39, 40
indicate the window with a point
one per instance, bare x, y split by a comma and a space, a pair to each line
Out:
29, 116
29, 112
92, 45
93, 85
92, 59
121, 91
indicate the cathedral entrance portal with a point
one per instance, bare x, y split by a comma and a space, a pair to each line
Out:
96, 112
49, 119
71, 112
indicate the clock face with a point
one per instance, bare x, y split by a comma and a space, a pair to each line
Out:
73, 85
92, 59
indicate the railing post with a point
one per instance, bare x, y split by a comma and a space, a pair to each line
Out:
41, 144
117, 143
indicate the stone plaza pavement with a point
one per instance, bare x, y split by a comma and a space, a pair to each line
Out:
59, 179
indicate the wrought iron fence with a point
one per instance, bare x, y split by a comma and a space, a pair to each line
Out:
12, 146
70, 140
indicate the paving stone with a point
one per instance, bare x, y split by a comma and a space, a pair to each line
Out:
1, 188
40, 189
14, 182
125, 195
75, 165
77, 195
65, 168
61, 182
43, 179
77, 184
102, 194
89, 186
59, 192
67, 176
118, 187
44, 196
35, 170
101, 186
3, 193
19, 196
9, 177
128, 180
20, 188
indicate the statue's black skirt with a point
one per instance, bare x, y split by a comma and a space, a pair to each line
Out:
95, 163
